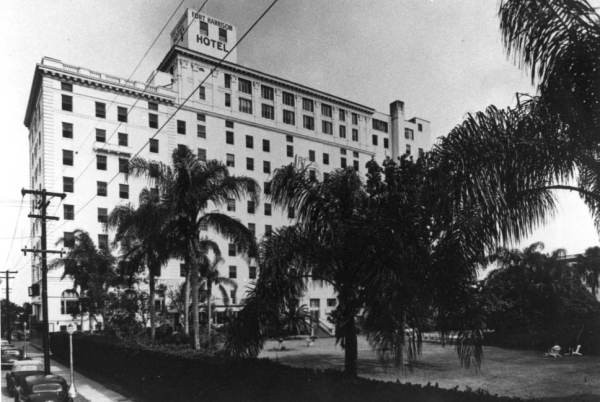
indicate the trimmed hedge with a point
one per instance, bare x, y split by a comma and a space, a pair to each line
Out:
162, 375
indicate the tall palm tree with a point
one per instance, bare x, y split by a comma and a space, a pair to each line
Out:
140, 232
588, 267
190, 187
91, 269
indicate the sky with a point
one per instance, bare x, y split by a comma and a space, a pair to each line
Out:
443, 58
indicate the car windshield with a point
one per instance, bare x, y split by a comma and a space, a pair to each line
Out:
30, 367
51, 387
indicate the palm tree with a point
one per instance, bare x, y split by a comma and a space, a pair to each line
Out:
189, 188
91, 269
144, 243
588, 267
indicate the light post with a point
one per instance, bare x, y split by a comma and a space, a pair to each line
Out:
71, 330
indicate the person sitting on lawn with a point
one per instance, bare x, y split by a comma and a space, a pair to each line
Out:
554, 351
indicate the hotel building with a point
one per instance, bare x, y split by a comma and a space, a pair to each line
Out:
85, 125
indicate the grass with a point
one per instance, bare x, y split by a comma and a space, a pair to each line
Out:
525, 374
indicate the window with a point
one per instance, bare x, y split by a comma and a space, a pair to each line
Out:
123, 139
374, 140
230, 160
124, 191
289, 117
202, 154
154, 169
101, 110
288, 98
152, 120
181, 148
66, 86
326, 110
291, 213
421, 152
407, 149
67, 103
290, 151
68, 239
228, 124
419, 127
100, 135
222, 34
386, 143
233, 296
200, 117
308, 122
266, 145
380, 125
182, 270
251, 272
232, 250
343, 162
203, 226
267, 111
153, 145
102, 215
228, 100
267, 167
67, 130
101, 188
251, 207
289, 138
355, 165
201, 131
342, 151
355, 154
267, 187
229, 137
326, 127
69, 303
245, 105
342, 115
180, 127
227, 80
68, 212
230, 205
308, 105
232, 272
103, 241
202, 93
249, 142
268, 230
250, 163
325, 176
68, 184
342, 131
252, 228
245, 86
409, 134
312, 174
325, 159
67, 157
315, 303
266, 92
152, 106
204, 28
123, 165
354, 118
354, 134
331, 302
311, 155
122, 114
267, 209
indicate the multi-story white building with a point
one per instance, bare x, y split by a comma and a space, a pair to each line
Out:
85, 125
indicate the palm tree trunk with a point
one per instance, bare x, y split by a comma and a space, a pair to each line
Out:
208, 308
186, 303
151, 307
194, 283
350, 347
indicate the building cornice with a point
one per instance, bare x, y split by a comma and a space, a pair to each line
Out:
281, 82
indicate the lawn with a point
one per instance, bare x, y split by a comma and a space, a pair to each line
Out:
505, 372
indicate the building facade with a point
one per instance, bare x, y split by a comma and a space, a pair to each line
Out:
84, 126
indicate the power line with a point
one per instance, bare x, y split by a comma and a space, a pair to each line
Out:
220, 62
14, 231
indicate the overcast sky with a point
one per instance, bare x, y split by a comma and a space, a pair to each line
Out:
443, 58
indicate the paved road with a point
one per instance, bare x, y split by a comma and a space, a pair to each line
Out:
87, 389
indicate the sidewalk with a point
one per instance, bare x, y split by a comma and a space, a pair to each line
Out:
87, 389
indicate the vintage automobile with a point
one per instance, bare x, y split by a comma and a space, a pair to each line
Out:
10, 354
20, 370
43, 388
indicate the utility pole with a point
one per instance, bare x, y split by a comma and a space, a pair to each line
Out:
7, 274
42, 206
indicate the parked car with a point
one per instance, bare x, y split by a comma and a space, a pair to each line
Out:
20, 370
10, 354
43, 388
